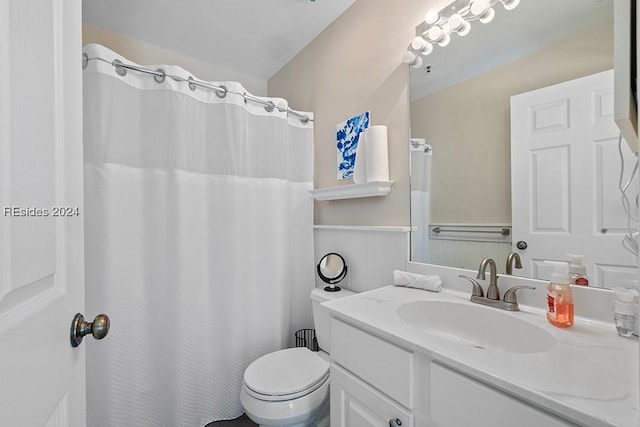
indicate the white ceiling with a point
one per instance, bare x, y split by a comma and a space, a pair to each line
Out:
511, 35
256, 37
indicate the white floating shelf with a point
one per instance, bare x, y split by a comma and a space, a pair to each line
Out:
353, 191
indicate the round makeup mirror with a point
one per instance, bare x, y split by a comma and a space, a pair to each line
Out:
332, 269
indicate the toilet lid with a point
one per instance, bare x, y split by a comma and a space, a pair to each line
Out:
286, 372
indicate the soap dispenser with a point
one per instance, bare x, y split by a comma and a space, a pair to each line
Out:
626, 311
559, 296
577, 270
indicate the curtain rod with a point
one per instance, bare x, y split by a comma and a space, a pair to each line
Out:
159, 75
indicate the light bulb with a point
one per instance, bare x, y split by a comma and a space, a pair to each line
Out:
459, 25
437, 35
418, 43
434, 34
431, 17
412, 59
421, 45
479, 7
409, 57
445, 41
488, 17
483, 11
510, 4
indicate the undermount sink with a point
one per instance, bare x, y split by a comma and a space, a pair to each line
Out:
478, 326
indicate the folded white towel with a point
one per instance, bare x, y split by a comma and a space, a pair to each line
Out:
419, 281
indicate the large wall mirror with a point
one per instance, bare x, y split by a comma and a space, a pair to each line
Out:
514, 149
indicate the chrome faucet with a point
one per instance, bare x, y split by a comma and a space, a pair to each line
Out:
509, 301
510, 265
493, 293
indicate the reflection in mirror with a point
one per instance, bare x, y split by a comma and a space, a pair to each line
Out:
513, 146
332, 269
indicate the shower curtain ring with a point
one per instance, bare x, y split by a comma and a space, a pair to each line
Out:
304, 120
118, 65
85, 60
161, 78
192, 85
222, 92
269, 106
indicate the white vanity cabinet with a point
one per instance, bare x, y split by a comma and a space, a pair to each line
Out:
371, 380
377, 383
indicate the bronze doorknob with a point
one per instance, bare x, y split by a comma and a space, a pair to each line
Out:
99, 328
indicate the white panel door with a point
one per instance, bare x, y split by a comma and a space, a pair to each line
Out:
41, 247
565, 169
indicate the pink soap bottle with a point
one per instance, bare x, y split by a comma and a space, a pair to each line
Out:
559, 296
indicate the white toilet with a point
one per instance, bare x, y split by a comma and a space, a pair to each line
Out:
291, 387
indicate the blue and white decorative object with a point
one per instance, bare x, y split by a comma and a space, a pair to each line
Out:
348, 135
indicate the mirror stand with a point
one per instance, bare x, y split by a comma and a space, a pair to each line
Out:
332, 269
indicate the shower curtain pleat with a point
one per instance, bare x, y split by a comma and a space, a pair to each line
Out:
421, 204
199, 246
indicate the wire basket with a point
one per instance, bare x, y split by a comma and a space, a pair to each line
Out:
307, 338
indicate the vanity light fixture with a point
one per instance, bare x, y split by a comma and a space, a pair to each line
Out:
456, 18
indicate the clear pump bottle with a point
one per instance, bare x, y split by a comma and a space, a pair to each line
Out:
626, 310
559, 296
577, 270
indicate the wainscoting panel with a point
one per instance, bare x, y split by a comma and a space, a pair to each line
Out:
371, 253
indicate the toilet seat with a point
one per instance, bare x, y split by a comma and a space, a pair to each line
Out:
286, 375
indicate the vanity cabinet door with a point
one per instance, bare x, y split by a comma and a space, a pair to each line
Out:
356, 404
483, 406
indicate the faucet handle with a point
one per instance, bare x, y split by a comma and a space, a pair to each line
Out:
477, 289
510, 294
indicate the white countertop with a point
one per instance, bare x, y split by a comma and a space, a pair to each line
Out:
590, 376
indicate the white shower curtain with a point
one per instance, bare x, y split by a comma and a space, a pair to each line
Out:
198, 243
421, 159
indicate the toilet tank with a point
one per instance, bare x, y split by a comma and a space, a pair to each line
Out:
321, 318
